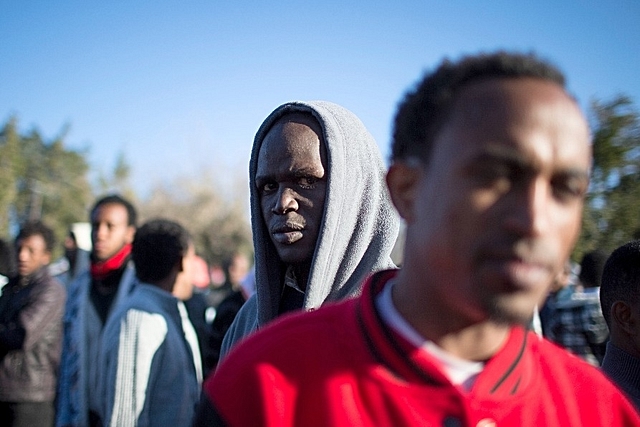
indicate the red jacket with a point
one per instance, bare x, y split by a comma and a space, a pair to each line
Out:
342, 366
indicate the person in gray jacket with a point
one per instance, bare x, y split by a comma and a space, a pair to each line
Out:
321, 215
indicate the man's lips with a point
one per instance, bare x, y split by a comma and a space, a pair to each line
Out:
287, 234
518, 273
525, 274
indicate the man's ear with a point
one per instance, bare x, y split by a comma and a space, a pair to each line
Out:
47, 257
402, 180
131, 231
622, 315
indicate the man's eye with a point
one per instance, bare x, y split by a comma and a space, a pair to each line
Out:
268, 187
491, 174
307, 182
568, 190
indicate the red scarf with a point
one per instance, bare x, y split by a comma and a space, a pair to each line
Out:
101, 269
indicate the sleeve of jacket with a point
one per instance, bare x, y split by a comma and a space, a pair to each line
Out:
67, 409
46, 306
245, 322
129, 346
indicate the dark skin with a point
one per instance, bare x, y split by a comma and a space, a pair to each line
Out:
494, 214
291, 179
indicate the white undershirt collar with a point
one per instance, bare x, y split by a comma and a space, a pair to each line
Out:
459, 371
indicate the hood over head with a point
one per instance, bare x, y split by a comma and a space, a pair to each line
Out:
359, 226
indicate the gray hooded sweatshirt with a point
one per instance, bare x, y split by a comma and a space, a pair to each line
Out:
359, 227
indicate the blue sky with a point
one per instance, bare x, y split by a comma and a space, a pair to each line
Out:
181, 87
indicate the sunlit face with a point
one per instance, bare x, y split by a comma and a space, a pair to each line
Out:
110, 230
32, 254
498, 207
291, 179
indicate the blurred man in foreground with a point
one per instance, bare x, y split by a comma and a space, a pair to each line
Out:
491, 159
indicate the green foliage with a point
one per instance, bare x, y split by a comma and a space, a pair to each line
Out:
118, 180
40, 180
612, 208
9, 165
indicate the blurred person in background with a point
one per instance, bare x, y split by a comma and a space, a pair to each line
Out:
91, 298
620, 298
74, 262
575, 321
31, 310
195, 302
150, 367
235, 267
238, 267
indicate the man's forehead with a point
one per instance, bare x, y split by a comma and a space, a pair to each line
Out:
307, 119
499, 107
507, 96
113, 210
32, 239
532, 160
292, 136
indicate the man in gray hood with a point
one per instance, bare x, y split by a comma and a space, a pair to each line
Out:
321, 215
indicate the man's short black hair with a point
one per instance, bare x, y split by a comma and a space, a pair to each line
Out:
37, 228
132, 216
425, 109
621, 278
157, 246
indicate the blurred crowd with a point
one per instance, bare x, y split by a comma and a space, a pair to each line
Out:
487, 321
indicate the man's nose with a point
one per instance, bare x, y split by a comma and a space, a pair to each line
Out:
530, 215
285, 201
23, 254
100, 230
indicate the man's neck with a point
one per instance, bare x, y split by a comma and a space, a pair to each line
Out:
621, 339
478, 342
100, 269
25, 280
166, 284
469, 339
301, 272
